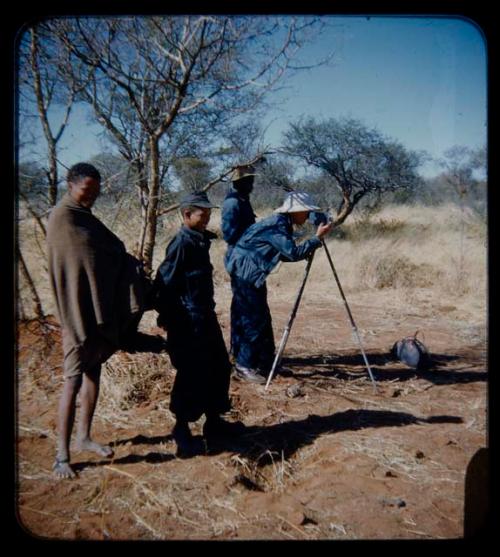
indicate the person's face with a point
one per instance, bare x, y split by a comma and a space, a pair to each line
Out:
198, 218
85, 191
300, 217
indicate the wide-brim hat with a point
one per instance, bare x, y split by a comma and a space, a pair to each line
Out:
242, 172
197, 199
296, 202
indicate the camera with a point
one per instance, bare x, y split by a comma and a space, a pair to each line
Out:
316, 218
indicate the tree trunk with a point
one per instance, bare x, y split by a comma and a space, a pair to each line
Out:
142, 191
152, 208
35, 298
52, 174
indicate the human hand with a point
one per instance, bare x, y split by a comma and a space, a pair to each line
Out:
323, 229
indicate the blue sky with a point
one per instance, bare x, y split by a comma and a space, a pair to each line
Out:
422, 81
419, 80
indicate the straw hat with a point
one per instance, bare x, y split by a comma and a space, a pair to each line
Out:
242, 171
297, 201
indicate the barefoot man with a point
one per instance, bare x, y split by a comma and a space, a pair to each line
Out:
99, 302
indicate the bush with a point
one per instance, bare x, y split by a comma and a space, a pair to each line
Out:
365, 229
393, 271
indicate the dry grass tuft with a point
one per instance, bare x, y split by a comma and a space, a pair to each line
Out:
128, 380
397, 271
267, 471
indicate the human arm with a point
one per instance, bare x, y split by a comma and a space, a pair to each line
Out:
323, 229
167, 281
231, 220
289, 251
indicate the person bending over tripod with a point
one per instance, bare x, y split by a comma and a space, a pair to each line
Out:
253, 257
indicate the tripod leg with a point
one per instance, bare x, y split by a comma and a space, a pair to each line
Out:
355, 329
288, 327
277, 358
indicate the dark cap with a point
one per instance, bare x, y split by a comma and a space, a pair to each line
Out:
197, 199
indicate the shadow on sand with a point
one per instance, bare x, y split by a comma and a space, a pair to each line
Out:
288, 437
384, 368
263, 444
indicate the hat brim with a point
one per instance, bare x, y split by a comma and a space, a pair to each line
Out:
241, 177
297, 209
200, 205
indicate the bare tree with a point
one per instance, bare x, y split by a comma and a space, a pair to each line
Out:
198, 72
193, 172
35, 298
460, 164
463, 168
358, 161
41, 83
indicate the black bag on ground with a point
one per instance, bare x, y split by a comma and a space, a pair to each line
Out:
412, 352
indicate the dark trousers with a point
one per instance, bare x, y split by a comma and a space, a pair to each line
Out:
252, 338
197, 350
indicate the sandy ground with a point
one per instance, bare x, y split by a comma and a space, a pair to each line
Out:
324, 457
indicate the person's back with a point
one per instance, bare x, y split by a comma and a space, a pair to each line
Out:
263, 245
254, 256
237, 212
237, 216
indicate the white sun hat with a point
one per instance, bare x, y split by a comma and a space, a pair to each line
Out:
297, 201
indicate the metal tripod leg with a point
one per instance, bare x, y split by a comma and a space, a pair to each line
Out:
288, 327
355, 329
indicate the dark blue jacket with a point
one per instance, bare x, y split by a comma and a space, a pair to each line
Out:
237, 216
263, 245
183, 283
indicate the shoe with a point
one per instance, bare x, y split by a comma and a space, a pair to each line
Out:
187, 446
248, 374
217, 427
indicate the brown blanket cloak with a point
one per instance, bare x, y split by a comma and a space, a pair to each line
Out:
96, 284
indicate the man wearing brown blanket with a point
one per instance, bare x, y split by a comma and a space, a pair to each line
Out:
99, 299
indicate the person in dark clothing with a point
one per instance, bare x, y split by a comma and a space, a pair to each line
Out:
237, 216
184, 295
257, 252
237, 212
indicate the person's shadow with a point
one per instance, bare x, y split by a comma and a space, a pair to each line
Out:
384, 367
259, 443
285, 439
288, 437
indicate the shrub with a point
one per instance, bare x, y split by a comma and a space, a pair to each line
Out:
395, 271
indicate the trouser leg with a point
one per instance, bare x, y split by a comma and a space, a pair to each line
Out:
254, 334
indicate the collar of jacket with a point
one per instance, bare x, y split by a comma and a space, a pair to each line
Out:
245, 196
68, 201
285, 217
196, 235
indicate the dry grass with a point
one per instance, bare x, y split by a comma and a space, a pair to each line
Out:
402, 255
424, 255
399, 248
129, 380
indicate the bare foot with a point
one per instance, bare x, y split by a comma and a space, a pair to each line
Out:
89, 445
62, 469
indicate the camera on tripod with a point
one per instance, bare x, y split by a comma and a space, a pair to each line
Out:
316, 218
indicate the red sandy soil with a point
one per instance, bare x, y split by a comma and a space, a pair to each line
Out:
324, 456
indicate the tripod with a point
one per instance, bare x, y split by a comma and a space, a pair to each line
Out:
291, 319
